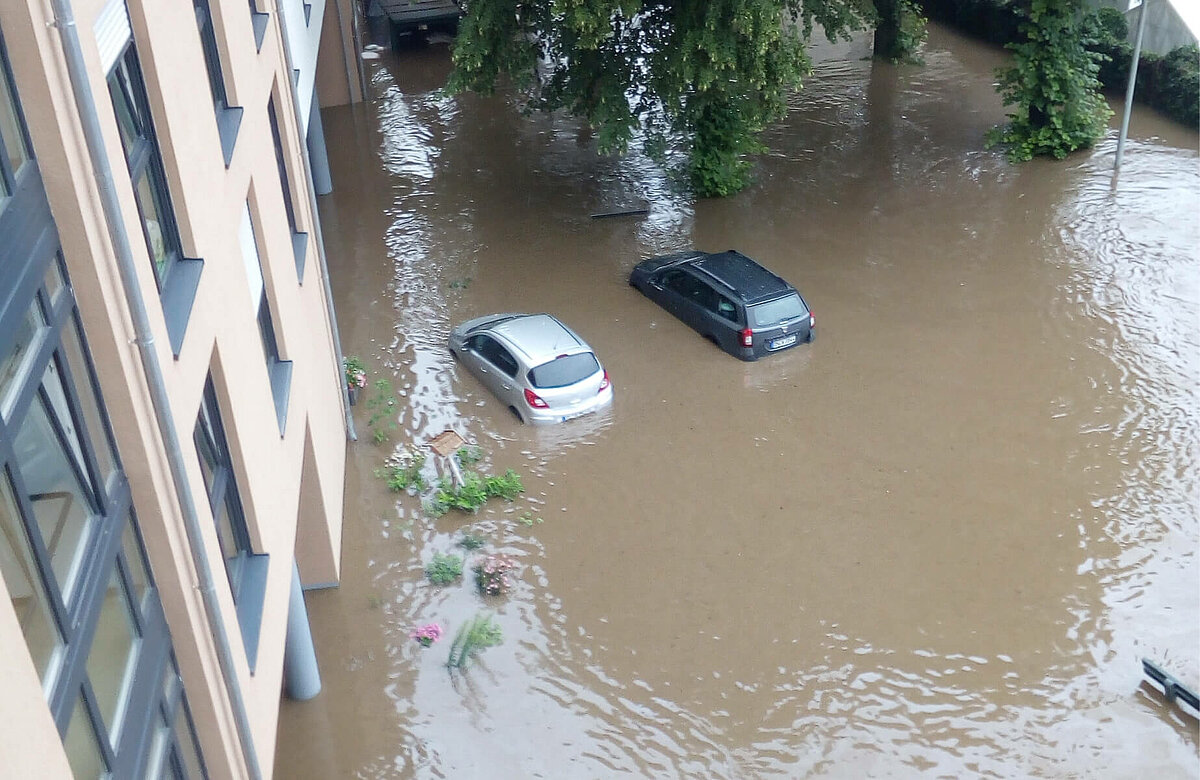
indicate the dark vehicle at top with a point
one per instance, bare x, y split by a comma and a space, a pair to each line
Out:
728, 298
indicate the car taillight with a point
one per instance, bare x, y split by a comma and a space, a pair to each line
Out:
532, 399
747, 337
603, 383
812, 319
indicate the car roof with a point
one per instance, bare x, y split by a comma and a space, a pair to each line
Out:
540, 336
746, 278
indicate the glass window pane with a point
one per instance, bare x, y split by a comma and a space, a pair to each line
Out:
225, 517
60, 407
189, 751
206, 449
26, 590
112, 656
62, 508
150, 202
54, 278
130, 122
72, 348
10, 127
281, 163
25, 337
83, 749
135, 564
158, 750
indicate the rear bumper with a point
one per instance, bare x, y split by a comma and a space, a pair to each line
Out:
552, 416
760, 348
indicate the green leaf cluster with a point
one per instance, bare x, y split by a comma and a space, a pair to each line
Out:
404, 473
477, 634
444, 569
474, 492
1053, 84
704, 75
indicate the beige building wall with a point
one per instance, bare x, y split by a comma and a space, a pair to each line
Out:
275, 472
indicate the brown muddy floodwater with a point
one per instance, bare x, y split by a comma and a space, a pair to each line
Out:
937, 542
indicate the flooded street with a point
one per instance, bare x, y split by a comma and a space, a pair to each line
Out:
936, 542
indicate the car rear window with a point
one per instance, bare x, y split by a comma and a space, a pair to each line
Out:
563, 371
789, 307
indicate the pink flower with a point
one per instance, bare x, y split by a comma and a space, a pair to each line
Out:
427, 634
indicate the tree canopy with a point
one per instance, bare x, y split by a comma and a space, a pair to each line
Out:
1052, 83
713, 73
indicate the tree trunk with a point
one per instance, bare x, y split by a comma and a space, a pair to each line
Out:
887, 30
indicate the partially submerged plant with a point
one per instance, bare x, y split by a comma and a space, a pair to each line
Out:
403, 471
356, 371
427, 634
381, 404
444, 569
470, 455
477, 634
527, 519
491, 575
470, 541
474, 492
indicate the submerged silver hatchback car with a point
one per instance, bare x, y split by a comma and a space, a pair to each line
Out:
538, 367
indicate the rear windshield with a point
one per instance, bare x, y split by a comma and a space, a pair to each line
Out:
564, 371
789, 307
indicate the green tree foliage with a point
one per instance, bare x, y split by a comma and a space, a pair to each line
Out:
1052, 83
711, 74
899, 30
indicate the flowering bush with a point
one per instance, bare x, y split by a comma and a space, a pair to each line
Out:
356, 371
427, 634
491, 575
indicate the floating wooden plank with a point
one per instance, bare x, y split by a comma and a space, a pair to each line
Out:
446, 443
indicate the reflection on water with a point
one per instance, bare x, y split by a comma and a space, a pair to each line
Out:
935, 542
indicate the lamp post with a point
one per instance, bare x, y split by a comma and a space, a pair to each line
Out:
1133, 67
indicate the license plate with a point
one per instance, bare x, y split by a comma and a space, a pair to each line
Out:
781, 342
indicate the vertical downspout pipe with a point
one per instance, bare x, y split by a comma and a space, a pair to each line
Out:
351, 434
85, 104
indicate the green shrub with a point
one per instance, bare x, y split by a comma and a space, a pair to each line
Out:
381, 407
474, 492
1166, 83
404, 472
477, 634
444, 569
470, 541
1051, 85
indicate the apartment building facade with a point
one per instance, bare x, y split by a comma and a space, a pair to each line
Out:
172, 412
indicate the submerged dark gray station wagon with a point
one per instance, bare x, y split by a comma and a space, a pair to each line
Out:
742, 307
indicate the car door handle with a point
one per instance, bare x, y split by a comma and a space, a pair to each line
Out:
506, 387
483, 369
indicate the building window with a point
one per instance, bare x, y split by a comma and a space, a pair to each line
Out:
279, 372
71, 553
299, 239
14, 147
258, 21
245, 570
228, 118
177, 277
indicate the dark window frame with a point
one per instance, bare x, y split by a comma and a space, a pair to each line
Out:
179, 277
8, 177
279, 371
248, 572
229, 118
299, 238
258, 21
103, 560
